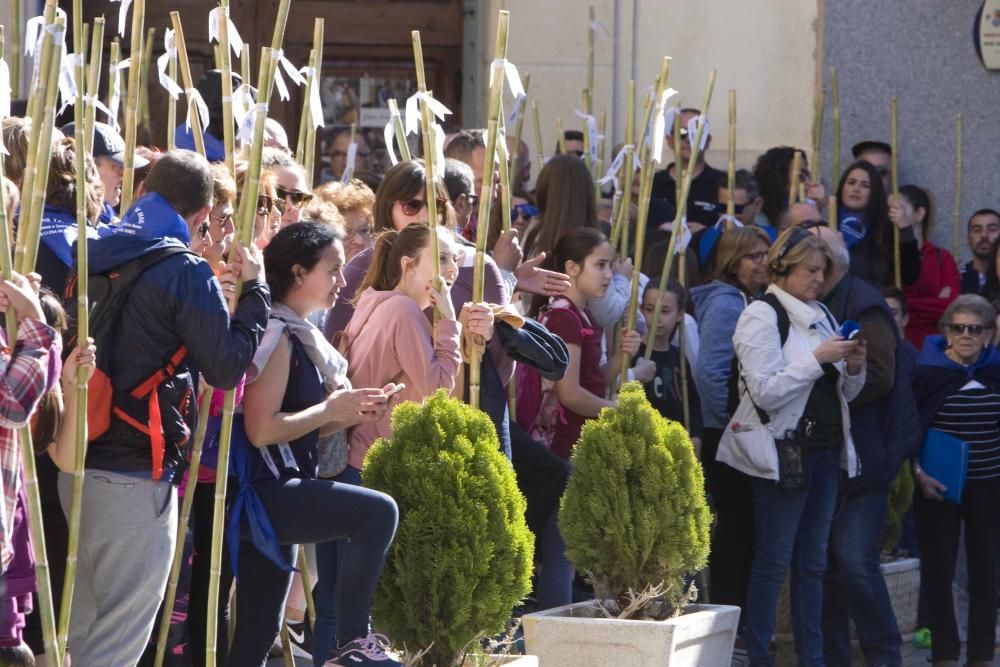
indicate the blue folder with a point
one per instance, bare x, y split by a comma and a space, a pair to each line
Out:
946, 458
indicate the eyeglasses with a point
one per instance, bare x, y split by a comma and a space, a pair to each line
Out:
973, 329
361, 232
756, 257
296, 198
266, 204
343, 154
221, 219
412, 207
471, 199
524, 211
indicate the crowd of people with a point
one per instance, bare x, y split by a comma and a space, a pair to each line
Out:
323, 323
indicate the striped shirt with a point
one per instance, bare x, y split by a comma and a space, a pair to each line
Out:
972, 414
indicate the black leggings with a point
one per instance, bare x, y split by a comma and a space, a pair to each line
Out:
304, 512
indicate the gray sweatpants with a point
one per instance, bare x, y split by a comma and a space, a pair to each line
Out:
127, 537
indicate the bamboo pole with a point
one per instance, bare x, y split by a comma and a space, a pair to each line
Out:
539, 146
817, 135
93, 81
591, 30
183, 520
147, 59
896, 264
310, 149
645, 190
399, 131
731, 169
306, 148
171, 102
682, 340
245, 64
503, 166
835, 107
197, 131
15, 50
307, 586
518, 125
560, 136
83, 334
623, 193
226, 74
681, 212
586, 133
427, 128
114, 77
348, 167
132, 107
793, 186
679, 162
956, 213
831, 212
602, 125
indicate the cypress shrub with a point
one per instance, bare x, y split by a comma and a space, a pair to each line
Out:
463, 554
900, 497
634, 514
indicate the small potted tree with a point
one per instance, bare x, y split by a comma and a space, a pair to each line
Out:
635, 519
463, 554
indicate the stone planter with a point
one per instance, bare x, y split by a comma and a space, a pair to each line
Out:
902, 579
579, 635
501, 661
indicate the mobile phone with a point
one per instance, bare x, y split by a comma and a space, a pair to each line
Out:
850, 330
395, 390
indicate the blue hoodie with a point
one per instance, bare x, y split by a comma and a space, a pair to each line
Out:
937, 377
718, 306
175, 302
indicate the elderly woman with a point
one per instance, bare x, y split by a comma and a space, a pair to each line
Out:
791, 434
957, 386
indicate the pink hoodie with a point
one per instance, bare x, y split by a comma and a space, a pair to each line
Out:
390, 340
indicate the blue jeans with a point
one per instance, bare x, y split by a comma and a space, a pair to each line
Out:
855, 588
792, 532
329, 560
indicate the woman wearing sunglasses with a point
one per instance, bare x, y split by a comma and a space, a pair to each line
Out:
957, 386
270, 208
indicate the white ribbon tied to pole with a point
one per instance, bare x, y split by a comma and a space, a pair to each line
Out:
724, 218
197, 101
595, 25
389, 133
413, 110
684, 239
249, 123
352, 158
290, 70
214, 16
516, 111
510, 72
122, 15
90, 100
611, 175
116, 92
170, 51
593, 136
67, 80
692, 129
33, 32
243, 104
5, 94
315, 104
660, 124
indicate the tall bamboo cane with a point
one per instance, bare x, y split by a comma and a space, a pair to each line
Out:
15, 50
307, 586
113, 76
682, 339
956, 213
503, 166
817, 135
560, 136
47, 77
731, 165
515, 153
623, 193
793, 186
348, 167
245, 64
591, 29
147, 59
835, 108
317, 68
586, 134
486, 194
681, 212
831, 212
197, 131
167, 609
83, 334
645, 191
93, 81
171, 102
226, 68
539, 146
896, 264
399, 131
427, 127
679, 170
602, 125
132, 107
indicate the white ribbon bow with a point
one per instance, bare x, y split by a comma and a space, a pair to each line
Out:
659, 124
611, 175
315, 104
235, 43
249, 122
595, 24
195, 99
724, 218
413, 110
389, 133
170, 51
594, 137
352, 157
122, 15
116, 92
33, 32
692, 129
510, 72
90, 100
67, 80
684, 239
243, 103
290, 70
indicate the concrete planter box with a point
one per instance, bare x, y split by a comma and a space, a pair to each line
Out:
579, 635
502, 660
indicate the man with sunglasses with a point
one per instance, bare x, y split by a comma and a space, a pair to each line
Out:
886, 431
704, 194
879, 155
746, 199
460, 183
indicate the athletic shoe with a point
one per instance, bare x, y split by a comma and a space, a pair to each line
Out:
364, 652
922, 638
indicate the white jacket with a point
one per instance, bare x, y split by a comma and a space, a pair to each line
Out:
780, 381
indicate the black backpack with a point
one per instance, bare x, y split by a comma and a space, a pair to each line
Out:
733, 384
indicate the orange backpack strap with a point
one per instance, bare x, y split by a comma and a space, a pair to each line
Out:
155, 427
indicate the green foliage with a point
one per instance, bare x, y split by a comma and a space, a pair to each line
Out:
634, 513
463, 554
900, 497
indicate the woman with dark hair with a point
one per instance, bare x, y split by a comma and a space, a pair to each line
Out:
298, 392
863, 220
773, 171
939, 283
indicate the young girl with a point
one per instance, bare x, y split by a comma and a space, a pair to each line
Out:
665, 390
585, 255
300, 393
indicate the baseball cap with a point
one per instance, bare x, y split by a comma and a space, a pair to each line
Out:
108, 143
870, 144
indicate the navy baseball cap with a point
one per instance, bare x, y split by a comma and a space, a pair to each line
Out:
108, 143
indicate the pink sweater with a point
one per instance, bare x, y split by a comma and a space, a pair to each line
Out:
390, 340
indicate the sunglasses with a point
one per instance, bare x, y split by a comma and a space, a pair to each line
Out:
412, 207
737, 208
203, 230
524, 211
343, 154
973, 329
296, 198
266, 205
